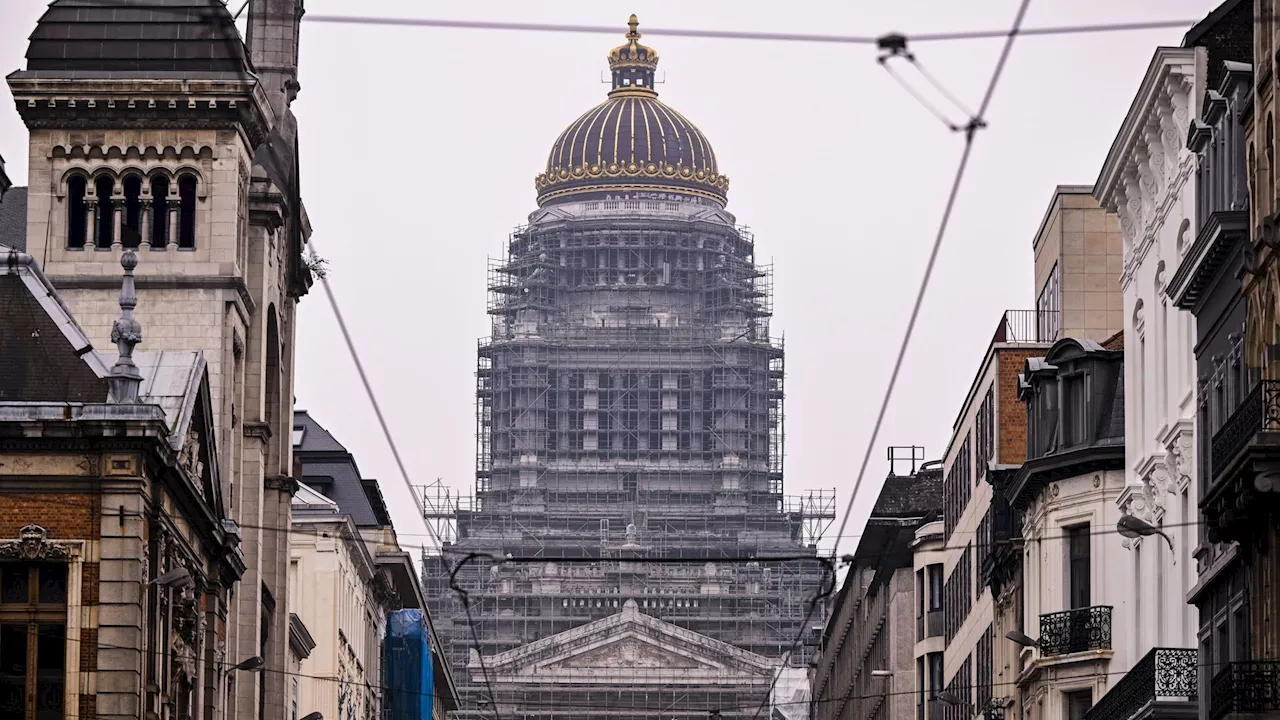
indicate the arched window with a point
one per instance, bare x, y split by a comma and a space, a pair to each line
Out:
105, 185
1253, 178
187, 211
159, 212
1271, 166
132, 220
76, 225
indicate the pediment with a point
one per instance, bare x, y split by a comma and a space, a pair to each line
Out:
628, 652
633, 645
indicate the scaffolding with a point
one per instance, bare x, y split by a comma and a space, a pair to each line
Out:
630, 440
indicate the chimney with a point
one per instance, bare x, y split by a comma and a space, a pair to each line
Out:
272, 39
126, 333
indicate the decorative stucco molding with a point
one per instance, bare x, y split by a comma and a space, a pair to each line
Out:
1149, 162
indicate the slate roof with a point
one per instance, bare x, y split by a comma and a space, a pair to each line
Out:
137, 38
910, 495
13, 218
330, 470
45, 357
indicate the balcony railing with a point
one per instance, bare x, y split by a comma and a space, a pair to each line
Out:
1163, 675
1076, 630
1259, 411
1027, 326
1250, 686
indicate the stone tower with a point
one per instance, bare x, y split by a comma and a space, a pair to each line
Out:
144, 122
629, 459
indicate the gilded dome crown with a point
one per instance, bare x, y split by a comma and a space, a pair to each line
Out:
632, 145
632, 53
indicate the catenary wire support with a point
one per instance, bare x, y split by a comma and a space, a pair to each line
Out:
971, 128
894, 45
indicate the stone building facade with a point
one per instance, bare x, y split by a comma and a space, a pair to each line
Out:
135, 146
118, 554
866, 666
1207, 284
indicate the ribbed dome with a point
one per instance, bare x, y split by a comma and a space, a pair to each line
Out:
143, 36
631, 143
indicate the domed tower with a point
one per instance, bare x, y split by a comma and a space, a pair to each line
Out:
629, 429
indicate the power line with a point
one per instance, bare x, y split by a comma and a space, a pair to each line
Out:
976, 123
819, 38
373, 399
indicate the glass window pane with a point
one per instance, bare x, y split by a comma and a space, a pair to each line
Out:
13, 669
53, 584
15, 584
50, 671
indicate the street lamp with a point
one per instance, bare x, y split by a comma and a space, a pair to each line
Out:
252, 664
178, 578
1133, 527
314, 716
1022, 639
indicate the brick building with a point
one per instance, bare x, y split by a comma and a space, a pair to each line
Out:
117, 555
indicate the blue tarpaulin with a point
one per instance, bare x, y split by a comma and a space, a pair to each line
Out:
410, 675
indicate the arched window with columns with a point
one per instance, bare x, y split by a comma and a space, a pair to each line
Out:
132, 217
106, 218
159, 212
187, 211
77, 227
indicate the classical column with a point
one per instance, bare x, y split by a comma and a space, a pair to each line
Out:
174, 208
117, 220
91, 222
145, 221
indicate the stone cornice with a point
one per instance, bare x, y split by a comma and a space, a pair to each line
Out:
1149, 152
152, 103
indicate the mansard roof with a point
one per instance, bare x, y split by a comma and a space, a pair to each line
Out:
330, 469
137, 38
629, 647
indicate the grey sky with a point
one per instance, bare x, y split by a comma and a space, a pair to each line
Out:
420, 147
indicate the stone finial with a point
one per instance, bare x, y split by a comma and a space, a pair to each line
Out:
126, 333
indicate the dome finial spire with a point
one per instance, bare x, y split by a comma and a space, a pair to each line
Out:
633, 65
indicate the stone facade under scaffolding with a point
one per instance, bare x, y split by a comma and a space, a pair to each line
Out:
629, 550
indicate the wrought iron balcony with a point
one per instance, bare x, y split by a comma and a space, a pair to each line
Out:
1259, 411
1163, 676
1249, 686
1076, 630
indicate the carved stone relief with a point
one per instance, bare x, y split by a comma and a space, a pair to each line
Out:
33, 544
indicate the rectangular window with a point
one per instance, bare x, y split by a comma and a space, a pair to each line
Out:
935, 586
1077, 703
1048, 305
1078, 567
33, 639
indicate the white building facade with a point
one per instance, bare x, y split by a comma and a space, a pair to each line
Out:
1148, 180
343, 599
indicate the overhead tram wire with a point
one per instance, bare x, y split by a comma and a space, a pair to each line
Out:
977, 122
373, 399
819, 38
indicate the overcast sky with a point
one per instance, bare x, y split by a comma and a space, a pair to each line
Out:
419, 149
